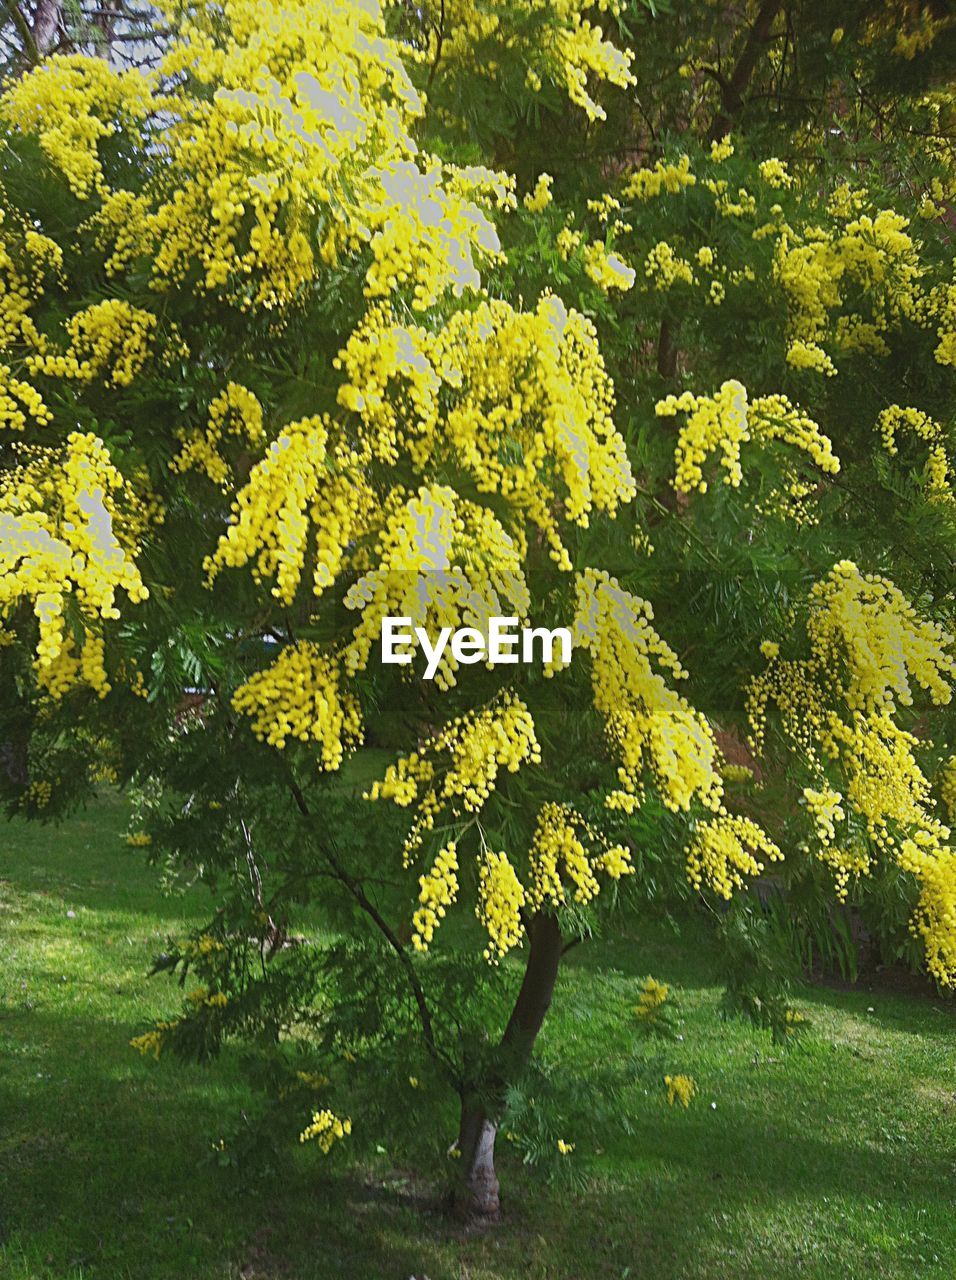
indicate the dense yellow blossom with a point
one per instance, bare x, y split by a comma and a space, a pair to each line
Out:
672, 178
649, 725
775, 173
808, 355
71, 103
302, 696
19, 401
725, 849
457, 769
537, 201
57, 540
302, 497
510, 397
438, 891
500, 900
110, 338
868, 650
947, 786
666, 268
151, 1042
442, 562
234, 413
559, 856
726, 421
609, 270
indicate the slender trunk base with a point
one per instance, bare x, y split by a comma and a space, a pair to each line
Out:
475, 1192
474, 1195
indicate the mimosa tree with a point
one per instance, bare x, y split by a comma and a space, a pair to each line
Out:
301, 334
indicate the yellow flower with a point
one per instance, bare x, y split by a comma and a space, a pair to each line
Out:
538, 200
680, 1089
326, 1128
653, 995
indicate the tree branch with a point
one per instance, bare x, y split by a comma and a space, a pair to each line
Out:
732, 90
21, 24
358, 893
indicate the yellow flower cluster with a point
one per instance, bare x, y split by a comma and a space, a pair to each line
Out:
725, 849
666, 268
458, 768
111, 335
327, 1129
500, 900
557, 847
27, 259
70, 104
39, 794
672, 178
718, 422
653, 995
608, 270
866, 622
809, 355
299, 487
438, 891
946, 314
934, 920
57, 539
775, 173
650, 726
940, 472
301, 696
443, 562
737, 773
412, 247
872, 256
234, 412
947, 786
202, 998
527, 396
151, 1042
680, 1089
20, 401
538, 200
869, 648
290, 145
726, 421
564, 46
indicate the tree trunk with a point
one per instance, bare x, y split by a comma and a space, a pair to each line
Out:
475, 1193
732, 90
46, 25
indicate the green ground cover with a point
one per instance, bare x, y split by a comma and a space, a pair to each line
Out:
837, 1159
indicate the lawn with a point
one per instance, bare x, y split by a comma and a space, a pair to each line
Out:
837, 1159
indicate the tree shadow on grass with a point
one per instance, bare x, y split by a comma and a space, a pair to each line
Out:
104, 1167
106, 1170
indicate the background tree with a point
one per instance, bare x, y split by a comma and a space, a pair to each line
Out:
455, 313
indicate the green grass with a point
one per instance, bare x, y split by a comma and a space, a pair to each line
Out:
835, 1160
